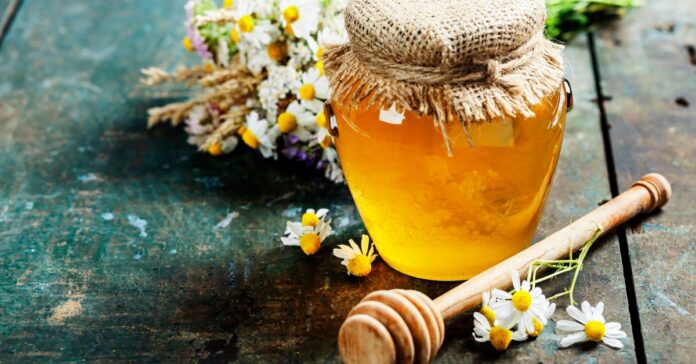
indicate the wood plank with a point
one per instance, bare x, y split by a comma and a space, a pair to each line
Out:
8, 8
649, 66
78, 285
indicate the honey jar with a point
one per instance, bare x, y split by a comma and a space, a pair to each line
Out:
449, 138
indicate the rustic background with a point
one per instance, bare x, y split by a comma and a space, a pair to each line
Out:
109, 249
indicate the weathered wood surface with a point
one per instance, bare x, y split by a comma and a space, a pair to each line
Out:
7, 9
78, 285
648, 63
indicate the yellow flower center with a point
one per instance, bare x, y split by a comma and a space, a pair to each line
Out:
360, 266
241, 130
310, 243
322, 121
320, 52
288, 29
595, 330
538, 328
215, 149
320, 67
246, 24
234, 34
500, 337
489, 314
291, 14
307, 92
187, 44
208, 68
522, 300
287, 122
277, 51
250, 139
310, 219
227, 4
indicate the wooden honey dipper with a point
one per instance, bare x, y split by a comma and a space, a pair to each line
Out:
406, 326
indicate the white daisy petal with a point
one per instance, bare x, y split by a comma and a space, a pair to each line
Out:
518, 335
343, 254
612, 326
528, 323
566, 325
354, 246
481, 320
575, 338
486, 298
615, 334
364, 243
289, 242
497, 293
599, 309
586, 309
516, 280
525, 286
480, 339
614, 343
575, 313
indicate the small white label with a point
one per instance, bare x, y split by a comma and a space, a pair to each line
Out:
391, 116
333, 122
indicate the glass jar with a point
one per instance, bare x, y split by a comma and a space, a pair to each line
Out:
442, 217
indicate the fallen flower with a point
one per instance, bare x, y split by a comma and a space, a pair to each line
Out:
590, 326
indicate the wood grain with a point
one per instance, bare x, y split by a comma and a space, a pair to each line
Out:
649, 70
75, 149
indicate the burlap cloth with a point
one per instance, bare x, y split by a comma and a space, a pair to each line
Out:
466, 60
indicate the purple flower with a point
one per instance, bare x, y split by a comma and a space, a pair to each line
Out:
295, 150
192, 32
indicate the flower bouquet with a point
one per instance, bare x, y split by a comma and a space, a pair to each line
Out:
262, 76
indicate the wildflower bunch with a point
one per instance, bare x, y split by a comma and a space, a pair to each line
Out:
262, 78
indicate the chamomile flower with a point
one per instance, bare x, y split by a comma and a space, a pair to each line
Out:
314, 218
258, 134
300, 17
249, 29
521, 306
357, 259
298, 121
332, 168
308, 238
590, 326
499, 335
314, 90
486, 310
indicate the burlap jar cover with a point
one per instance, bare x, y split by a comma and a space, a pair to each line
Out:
466, 60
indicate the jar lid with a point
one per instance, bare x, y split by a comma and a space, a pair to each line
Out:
471, 60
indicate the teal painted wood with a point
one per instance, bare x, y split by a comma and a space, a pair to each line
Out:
649, 68
108, 245
7, 9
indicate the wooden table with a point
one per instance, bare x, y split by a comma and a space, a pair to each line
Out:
108, 245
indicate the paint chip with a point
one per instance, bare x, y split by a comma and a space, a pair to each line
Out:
89, 177
227, 220
68, 309
139, 223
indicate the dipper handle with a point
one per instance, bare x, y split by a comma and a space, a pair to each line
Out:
650, 193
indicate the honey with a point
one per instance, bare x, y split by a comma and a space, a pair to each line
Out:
449, 217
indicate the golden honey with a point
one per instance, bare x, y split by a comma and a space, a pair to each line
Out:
442, 217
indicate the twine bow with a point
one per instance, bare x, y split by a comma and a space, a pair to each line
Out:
494, 71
